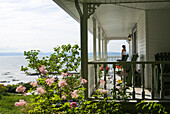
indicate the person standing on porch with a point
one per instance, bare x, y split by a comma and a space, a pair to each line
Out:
123, 52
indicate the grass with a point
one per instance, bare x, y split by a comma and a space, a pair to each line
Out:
7, 103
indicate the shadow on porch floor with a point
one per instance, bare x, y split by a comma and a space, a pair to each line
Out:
138, 89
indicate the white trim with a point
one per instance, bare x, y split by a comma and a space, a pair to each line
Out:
117, 38
65, 8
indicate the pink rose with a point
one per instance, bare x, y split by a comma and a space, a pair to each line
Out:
20, 103
50, 81
102, 91
64, 74
34, 84
40, 90
20, 89
62, 83
75, 91
83, 81
102, 82
42, 69
17, 104
74, 94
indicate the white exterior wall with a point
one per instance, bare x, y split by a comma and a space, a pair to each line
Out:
158, 32
157, 36
130, 49
142, 45
141, 37
91, 79
153, 36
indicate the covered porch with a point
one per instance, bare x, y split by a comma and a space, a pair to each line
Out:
147, 22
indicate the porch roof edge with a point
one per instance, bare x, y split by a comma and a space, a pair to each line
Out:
66, 9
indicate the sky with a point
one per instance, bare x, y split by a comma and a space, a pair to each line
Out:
39, 25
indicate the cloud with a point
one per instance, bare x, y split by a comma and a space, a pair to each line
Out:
35, 24
39, 24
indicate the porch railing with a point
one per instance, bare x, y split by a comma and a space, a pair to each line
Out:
113, 58
147, 65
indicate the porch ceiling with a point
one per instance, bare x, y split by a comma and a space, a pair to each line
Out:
116, 17
116, 21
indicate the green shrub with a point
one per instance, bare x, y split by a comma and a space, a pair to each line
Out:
2, 90
12, 88
151, 107
65, 58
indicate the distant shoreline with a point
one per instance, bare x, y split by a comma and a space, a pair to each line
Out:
46, 53
21, 54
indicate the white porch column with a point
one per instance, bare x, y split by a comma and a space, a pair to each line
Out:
106, 42
103, 46
94, 38
99, 38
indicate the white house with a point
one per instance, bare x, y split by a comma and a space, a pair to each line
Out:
147, 20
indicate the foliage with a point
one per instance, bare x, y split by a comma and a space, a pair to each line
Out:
120, 91
151, 107
65, 58
66, 95
51, 95
12, 88
2, 90
52, 100
98, 107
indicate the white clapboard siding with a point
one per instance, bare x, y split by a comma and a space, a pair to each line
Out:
91, 78
141, 36
130, 49
142, 42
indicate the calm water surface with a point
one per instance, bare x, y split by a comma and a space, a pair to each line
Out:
10, 70
10, 67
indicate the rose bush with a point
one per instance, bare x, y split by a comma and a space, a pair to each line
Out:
50, 94
54, 95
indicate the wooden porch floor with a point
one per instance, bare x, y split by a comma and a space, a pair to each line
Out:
138, 89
